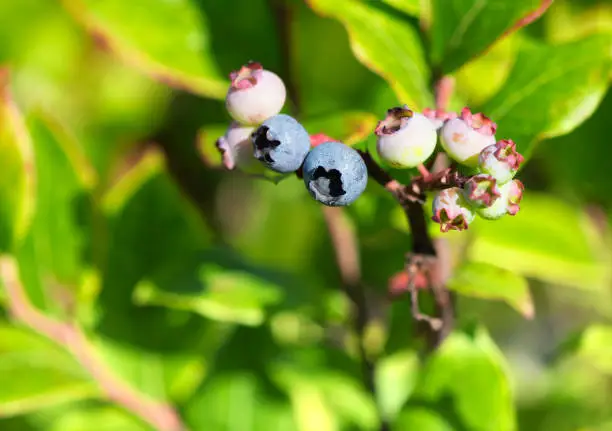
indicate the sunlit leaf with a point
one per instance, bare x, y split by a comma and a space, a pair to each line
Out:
551, 89
486, 281
463, 29
548, 239
386, 45
396, 377
17, 179
215, 292
176, 51
422, 419
471, 370
37, 374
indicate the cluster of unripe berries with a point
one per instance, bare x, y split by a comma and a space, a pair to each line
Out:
406, 139
335, 174
260, 137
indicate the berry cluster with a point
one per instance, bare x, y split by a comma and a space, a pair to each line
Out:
406, 139
336, 174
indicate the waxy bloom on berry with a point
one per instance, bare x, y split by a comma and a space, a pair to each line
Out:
335, 174
451, 210
405, 138
255, 94
463, 138
501, 160
281, 143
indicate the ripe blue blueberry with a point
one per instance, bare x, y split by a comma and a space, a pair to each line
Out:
281, 143
335, 174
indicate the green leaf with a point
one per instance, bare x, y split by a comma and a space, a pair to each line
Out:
422, 419
38, 374
161, 375
570, 20
95, 418
463, 29
206, 141
239, 401
548, 239
55, 248
202, 286
596, 347
348, 127
151, 225
149, 165
483, 280
385, 44
471, 370
409, 7
324, 399
493, 67
551, 89
176, 51
17, 179
396, 377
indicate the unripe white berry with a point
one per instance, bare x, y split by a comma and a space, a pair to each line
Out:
463, 138
511, 194
451, 210
481, 191
405, 138
237, 149
255, 95
501, 160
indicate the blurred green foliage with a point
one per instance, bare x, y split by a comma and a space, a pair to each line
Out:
218, 294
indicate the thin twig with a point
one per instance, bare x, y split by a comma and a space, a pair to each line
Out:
444, 91
159, 415
346, 250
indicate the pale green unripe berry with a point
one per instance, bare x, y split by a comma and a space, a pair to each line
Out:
405, 138
451, 210
511, 194
501, 160
463, 138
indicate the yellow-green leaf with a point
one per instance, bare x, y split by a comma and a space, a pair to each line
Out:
17, 179
168, 40
385, 44
483, 280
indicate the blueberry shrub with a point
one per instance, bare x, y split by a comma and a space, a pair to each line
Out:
320, 215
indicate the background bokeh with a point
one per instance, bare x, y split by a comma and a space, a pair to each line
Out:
218, 294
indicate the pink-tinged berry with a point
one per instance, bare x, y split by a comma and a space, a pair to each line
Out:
255, 94
451, 210
501, 160
481, 190
463, 138
507, 203
405, 138
438, 116
236, 148
515, 195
